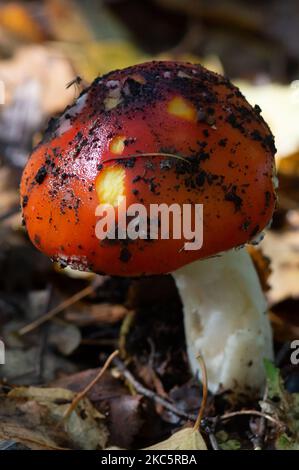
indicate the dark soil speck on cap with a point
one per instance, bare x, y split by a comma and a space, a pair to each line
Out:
125, 255
41, 174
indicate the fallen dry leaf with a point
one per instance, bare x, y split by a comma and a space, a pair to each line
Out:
280, 109
283, 250
64, 336
95, 314
34, 416
185, 439
47, 67
103, 390
124, 411
125, 419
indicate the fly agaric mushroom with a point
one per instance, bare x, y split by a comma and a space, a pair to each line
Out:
166, 132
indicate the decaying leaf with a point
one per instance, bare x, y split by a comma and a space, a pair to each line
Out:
95, 314
19, 363
279, 104
185, 439
125, 419
22, 366
283, 250
65, 337
34, 416
47, 67
125, 411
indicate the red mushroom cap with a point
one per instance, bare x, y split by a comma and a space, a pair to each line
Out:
159, 132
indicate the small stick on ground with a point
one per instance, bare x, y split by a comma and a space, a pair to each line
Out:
149, 393
253, 413
165, 403
84, 392
259, 436
211, 435
204, 374
199, 420
59, 308
124, 330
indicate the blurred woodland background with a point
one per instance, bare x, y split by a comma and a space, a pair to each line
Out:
44, 46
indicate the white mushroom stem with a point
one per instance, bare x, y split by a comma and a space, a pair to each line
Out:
225, 315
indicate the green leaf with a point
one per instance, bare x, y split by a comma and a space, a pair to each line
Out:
274, 380
284, 442
284, 407
225, 443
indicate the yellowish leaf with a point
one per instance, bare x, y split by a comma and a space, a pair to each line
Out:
280, 109
283, 251
35, 416
185, 439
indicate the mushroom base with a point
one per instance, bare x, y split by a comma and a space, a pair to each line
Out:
225, 315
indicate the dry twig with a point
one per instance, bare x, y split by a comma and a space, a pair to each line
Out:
149, 393
253, 413
84, 392
204, 393
59, 308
